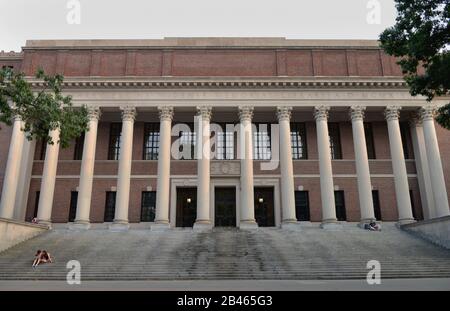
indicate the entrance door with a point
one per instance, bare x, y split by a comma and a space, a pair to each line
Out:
186, 207
264, 207
225, 207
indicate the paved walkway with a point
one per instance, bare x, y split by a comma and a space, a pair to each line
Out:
437, 284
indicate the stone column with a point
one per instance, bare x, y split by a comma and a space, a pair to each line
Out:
163, 182
329, 220
45, 206
398, 166
247, 220
434, 163
203, 168
11, 179
423, 171
286, 167
362, 165
87, 171
124, 174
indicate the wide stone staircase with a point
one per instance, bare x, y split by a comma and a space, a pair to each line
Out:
311, 253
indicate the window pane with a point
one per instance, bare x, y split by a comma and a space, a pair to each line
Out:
151, 141
261, 142
335, 140
114, 141
298, 141
79, 144
369, 140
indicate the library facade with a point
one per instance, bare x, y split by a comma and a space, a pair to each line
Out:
236, 132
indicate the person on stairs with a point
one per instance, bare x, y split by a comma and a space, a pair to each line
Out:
42, 257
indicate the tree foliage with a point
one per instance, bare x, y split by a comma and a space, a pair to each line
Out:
421, 39
41, 109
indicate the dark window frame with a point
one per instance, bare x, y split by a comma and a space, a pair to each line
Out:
405, 135
73, 205
298, 206
148, 215
341, 212
78, 149
225, 145
110, 209
334, 134
262, 142
151, 141
115, 133
299, 144
370, 142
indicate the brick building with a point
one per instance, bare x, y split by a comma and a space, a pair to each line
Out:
299, 131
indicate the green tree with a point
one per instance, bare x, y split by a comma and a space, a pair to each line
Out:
421, 40
41, 109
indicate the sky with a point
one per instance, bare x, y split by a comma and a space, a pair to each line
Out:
22, 20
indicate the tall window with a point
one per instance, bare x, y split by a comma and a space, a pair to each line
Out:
339, 201
79, 144
404, 131
376, 204
43, 150
148, 204
114, 141
225, 142
188, 140
151, 141
369, 140
73, 205
110, 206
298, 141
335, 140
302, 205
261, 142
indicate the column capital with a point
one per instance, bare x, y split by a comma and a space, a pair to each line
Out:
321, 113
94, 113
357, 112
245, 113
165, 113
284, 113
128, 113
205, 112
428, 112
392, 113
17, 117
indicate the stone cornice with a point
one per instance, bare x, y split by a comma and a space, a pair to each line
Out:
215, 83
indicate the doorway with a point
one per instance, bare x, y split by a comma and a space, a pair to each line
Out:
225, 207
186, 207
264, 206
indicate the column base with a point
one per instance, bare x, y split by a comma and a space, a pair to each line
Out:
291, 225
80, 225
248, 225
119, 226
160, 226
331, 225
202, 225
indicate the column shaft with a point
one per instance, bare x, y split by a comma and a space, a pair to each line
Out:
326, 173
423, 172
247, 189
163, 181
11, 178
87, 170
399, 166
48, 179
435, 163
286, 167
203, 167
362, 165
124, 174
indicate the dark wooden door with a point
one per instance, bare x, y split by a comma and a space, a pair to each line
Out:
73, 205
225, 207
264, 207
302, 205
186, 207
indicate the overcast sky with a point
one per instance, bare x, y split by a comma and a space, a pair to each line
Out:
147, 19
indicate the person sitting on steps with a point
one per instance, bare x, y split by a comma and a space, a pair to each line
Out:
41, 257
